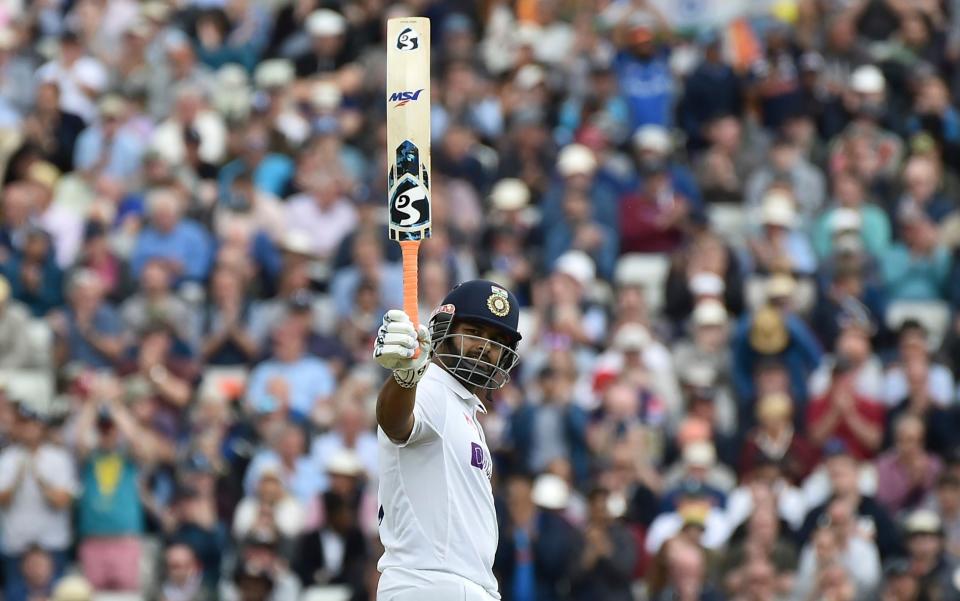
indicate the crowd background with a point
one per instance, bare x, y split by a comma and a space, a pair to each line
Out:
733, 227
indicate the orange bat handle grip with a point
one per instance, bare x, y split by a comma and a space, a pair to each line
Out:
411, 306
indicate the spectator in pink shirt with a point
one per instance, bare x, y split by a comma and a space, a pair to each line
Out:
906, 473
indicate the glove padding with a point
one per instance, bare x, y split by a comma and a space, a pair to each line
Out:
394, 348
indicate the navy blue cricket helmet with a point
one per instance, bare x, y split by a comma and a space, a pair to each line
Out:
483, 302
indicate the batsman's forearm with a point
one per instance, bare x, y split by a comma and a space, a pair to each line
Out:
395, 410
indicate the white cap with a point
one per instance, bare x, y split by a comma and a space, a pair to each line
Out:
578, 265
274, 73
709, 312
510, 194
655, 138
777, 209
528, 34
867, 79
780, 285
326, 95
326, 22
700, 454
551, 492
706, 283
699, 375
631, 337
923, 521
844, 219
576, 159
529, 77
8, 38
297, 242
344, 463
232, 75
72, 588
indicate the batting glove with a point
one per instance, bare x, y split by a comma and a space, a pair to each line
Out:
396, 341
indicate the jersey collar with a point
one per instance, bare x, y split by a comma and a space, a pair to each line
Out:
465, 396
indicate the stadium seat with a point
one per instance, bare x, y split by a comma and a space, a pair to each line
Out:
223, 380
649, 271
118, 596
933, 314
730, 222
41, 341
326, 593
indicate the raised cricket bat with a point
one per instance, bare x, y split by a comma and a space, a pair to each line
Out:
408, 145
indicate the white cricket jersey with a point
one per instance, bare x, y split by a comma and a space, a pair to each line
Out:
436, 500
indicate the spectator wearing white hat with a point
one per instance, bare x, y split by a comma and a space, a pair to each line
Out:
271, 508
865, 109
853, 212
653, 148
336, 552
708, 267
578, 170
645, 363
656, 217
571, 316
190, 110
328, 51
779, 244
538, 548
787, 169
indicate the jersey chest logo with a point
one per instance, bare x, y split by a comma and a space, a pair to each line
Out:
479, 460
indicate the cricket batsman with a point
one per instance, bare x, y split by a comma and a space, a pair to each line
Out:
437, 519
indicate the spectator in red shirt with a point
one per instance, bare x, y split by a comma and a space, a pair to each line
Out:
774, 439
653, 219
842, 413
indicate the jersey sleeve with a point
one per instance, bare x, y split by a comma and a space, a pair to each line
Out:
429, 416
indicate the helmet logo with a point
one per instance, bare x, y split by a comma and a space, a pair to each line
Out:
447, 309
498, 305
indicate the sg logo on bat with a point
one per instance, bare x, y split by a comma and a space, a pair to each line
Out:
408, 39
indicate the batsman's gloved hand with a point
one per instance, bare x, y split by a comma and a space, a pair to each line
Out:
394, 348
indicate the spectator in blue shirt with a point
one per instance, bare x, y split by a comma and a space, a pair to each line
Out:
646, 80
772, 333
35, 279
272, 172
712, 89
918, 267
90, 331
184, 243
106, 148
292, 381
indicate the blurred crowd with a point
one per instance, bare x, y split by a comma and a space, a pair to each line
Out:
732, 226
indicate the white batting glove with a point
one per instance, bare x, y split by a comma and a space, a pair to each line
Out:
396, 341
